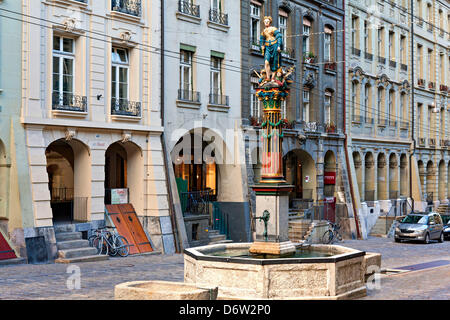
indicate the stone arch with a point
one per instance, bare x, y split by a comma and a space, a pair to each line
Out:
431, 181
422, 175
300, 171
382, 183
357, 162
369, 177
394, 177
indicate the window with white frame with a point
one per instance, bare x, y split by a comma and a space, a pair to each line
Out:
327, 44
255, 22
120, 75
255, 110
380, 111
216, 5
327, 111
306, 105
282, 26
306, 36
186, 79
366, 37
391, 107
366, 102
216, 76
403, 51
284, 114
353, 99
430, 65
63, 70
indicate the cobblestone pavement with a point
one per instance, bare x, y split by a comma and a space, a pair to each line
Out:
99, 278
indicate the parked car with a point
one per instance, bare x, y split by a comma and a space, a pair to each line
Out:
446, 220
422, 226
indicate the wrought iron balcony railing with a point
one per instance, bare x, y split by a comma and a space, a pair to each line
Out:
392, 64
368, 56
392, 123
288, 53
69, 102
189, 95
357, 118
330, 66
443, 87
356, 52
123, 107
382, 60
189, 8
431, 85
403, 67
219, 99
218, 17
422, 142
382, 122
432, 142
131, 7
421, 82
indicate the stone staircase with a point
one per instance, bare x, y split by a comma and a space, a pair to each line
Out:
443, 209
381, 227
215, 237
72, 248
300, 230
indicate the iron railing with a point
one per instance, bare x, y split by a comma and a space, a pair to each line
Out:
218, 17
219, 99
288, 53
189, 8
330, 65
188, 95
131, 7
356, 52
392, 64
382, 60
403, 67
124, 107
61, 194
69, 102
196, 202
368, 56
220, 220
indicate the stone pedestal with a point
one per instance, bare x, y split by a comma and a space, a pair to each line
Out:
273, 198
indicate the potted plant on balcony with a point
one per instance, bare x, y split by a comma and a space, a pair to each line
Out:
330, 127
288, 124
309, 57
254, 122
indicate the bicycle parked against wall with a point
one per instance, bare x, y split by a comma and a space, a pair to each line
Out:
332, 234
109, 242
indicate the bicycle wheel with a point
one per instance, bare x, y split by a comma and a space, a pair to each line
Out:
123, 248
101, 246
91, 240
327, 237
112, 248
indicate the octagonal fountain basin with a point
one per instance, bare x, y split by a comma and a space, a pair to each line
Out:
312, 272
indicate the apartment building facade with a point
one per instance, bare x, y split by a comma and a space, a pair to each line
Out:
313, 142
91, 112
202, 109
431, 89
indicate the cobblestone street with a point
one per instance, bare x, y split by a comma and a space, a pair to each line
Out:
99, 278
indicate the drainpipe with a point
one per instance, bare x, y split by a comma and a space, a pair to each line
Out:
412, 106
347, 158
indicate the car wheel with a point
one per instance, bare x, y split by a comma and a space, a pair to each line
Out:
397, 240
441, 238
427, 239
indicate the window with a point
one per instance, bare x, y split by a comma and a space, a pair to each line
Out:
255, 23
355, 32
367, 112
381, 52
216, 76
430, 65
392, 114
420, 61
380, 104
403, 106
391, 46
403, 50
63, 70
306, 105
283, 26
353, 99
429, 15
419, 119
327, 111
306, 36
367, 44
255, 110
328, 44
119, 75
186, 78
216, 5
441, 67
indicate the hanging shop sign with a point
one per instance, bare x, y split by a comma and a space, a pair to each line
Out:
329, 177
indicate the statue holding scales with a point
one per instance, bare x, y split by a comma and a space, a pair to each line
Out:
271, 42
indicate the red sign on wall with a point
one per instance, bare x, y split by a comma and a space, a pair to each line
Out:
5, 250
329, 177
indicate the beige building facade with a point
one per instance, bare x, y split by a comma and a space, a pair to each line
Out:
91, 112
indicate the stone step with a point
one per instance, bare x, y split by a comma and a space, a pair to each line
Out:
61, 228
72, 244
91, 258
220, 241
66, 236
217, 237
213, 232
76, 253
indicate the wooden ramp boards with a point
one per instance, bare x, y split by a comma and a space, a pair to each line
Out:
125, 219
6, 252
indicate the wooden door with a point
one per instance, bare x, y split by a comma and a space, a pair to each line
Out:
135, 228
113, 211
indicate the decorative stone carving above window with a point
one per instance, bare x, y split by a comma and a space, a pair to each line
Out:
70, 133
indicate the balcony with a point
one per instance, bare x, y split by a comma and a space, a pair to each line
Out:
288, 53
381, 60
357, 118
218, 99
188, 95
219, 17
256, 121
421, 142
330, 128
443, 88
392, 123
421, 82
431, 86
382, 122
309, 57
369, 120
403, 67
404, 124
69, 102
330, 66
356, 52
368, 56
188, 11
392, 64
254, 43
123, 107
432, 142
131, 7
